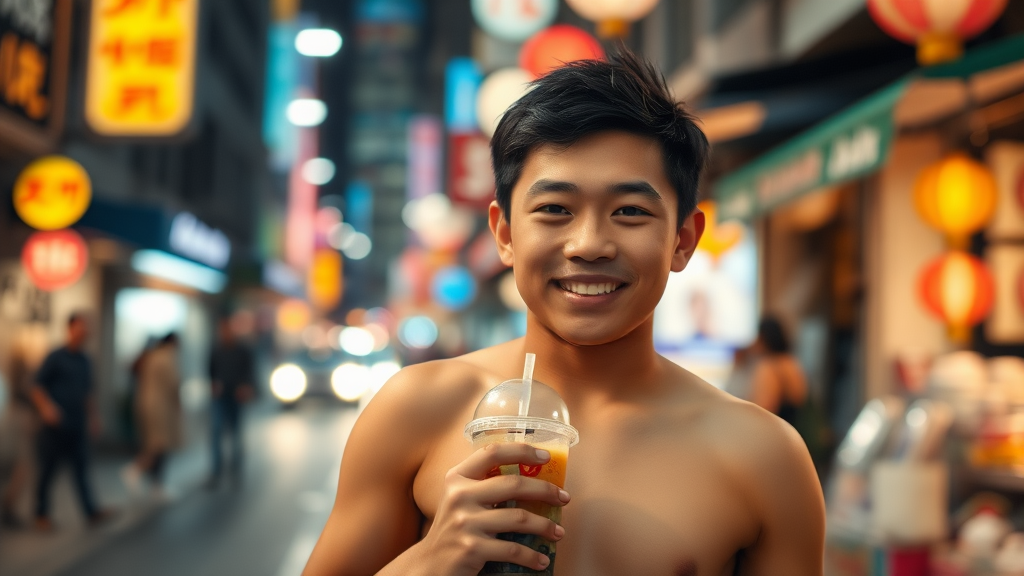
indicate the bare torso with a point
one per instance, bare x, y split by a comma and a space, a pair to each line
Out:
651, 493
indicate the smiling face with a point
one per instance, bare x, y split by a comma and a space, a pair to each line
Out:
593, 234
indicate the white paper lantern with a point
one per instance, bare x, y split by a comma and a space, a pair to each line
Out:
514, 20
612, 16
498, 91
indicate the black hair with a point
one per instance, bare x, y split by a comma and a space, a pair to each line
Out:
76, 317
170, 338
773, 336
589, 96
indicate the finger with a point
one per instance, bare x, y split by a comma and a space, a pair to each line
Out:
494, 550
503, 488
520, 521
481, 462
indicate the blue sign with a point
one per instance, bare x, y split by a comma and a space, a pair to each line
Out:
453, 287
359, 206
389, 11
462, 79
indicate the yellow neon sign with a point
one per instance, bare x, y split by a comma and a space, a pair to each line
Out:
141, 73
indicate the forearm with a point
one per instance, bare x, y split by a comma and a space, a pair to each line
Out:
41, 399
410, 563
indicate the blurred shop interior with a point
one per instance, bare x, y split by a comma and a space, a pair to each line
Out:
318, 172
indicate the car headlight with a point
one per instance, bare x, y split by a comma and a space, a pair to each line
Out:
350, 381
288, 382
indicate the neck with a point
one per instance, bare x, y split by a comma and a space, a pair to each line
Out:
617, 371
74, 346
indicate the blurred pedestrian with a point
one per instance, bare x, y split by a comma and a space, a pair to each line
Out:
767, 373
157, 414
24, 423
231, 381
63, 396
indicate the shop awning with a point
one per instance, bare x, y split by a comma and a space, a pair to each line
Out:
856, 142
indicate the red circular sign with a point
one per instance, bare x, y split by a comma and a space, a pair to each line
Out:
55, 260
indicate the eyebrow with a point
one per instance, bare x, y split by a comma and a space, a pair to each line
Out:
637, 187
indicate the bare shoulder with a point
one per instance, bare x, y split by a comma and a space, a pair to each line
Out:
755, 445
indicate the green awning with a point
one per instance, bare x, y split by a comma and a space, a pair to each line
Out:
853, 143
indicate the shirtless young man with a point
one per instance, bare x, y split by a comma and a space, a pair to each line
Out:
597, 173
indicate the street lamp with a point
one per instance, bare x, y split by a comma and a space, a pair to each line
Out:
318, 42
306, 112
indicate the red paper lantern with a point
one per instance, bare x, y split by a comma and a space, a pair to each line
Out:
557, 45
937, 27
958, 289
55, 260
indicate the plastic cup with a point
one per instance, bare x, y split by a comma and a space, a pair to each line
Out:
546, 426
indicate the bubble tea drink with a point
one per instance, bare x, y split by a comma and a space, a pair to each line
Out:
524, 410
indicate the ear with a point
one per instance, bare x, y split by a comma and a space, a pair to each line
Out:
687, 239
502, 233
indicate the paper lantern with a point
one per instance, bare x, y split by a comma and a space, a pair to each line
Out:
54, 260
556, 46
514, 20
719, 237
612, 16
958, 289
938, 27
956, 195
498, 91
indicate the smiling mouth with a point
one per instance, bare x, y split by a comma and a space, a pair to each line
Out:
590, 289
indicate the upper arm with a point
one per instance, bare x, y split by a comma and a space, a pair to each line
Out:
787, 494
375, 517
43, 376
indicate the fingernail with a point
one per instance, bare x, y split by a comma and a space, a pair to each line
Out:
563, 495
543, 455
544, 561
559, 531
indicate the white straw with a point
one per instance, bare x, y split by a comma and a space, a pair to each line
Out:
524, 403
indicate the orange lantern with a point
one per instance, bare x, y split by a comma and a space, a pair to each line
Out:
55, 259
719, 237
957, 196
557, 45
52, 192
612, 16
937, 27
957, 288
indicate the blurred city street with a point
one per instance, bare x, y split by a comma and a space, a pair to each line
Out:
267, 524
226, 225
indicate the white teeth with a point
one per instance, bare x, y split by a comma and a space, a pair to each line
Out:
590, 289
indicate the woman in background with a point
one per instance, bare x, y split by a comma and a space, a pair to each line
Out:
157, 414
767, 373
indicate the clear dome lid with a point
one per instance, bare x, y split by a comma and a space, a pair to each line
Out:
499, 410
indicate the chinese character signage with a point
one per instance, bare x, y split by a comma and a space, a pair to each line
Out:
55, 260
34, 38
141, 74
52, 192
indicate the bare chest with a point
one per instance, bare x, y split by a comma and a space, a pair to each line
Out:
653, 506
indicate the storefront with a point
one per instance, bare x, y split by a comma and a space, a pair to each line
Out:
859, 269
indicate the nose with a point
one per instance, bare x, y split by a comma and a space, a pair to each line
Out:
589, 241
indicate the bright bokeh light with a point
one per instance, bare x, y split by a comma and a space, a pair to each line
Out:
439, 224
497, 92
318, 171
338, 234
318, 42
381, 338
356, 246
418, 332
350, 381
357, 341
288, 383
293, 315
307, 112
454, 287
381, 372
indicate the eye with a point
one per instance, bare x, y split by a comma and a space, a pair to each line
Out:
631, 211
552, 209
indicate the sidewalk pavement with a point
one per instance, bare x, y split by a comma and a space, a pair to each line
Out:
26, 552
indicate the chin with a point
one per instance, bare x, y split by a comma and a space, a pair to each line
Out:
588, 334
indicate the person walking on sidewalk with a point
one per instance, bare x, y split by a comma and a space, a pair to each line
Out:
231, 380
63, 397
157, 414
